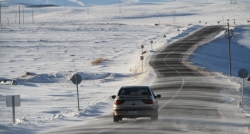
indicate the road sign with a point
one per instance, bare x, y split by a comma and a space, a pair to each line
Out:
76, 79
243, 73
151, 41
142, 46
13, 101
10, 102
141, 57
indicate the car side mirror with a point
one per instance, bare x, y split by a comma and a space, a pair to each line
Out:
113, 96
158, 96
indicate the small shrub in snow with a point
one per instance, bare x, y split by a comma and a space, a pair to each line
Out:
98, 61
22, 121
3, 81
27, 73
14, 82
144, 52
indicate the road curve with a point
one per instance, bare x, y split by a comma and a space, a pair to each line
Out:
190, 102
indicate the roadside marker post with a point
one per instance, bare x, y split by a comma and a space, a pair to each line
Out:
77, 79
142, 58
13, 101
243, 73
142, 46
151, 42
164, 36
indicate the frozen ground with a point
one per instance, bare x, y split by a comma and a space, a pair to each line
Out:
64, 41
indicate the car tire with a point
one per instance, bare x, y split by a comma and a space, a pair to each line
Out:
155, 116
116, 119
120, 118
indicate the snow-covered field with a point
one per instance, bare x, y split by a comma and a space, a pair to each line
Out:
64, 41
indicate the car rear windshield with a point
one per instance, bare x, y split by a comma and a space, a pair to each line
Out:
138, 91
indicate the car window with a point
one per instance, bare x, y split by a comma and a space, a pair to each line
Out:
134, 91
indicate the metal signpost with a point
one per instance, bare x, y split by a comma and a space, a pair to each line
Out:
243, 73
13, 101
77, 79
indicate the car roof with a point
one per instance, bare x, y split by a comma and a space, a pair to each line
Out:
135, 86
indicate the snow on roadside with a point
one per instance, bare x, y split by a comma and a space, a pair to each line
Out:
64, 42
213, 56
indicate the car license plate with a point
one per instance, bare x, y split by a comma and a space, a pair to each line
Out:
132, 112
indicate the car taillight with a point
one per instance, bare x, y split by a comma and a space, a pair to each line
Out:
119, 102
148, 101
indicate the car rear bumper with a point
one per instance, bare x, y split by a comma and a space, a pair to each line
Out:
134, 112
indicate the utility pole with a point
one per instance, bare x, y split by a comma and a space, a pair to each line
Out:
65, 4
228, 35
88, 10
19, 14
32, 17
0, 16
173, 14
229, 51
23, 15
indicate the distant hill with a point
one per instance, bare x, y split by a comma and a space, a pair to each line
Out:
43, 5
